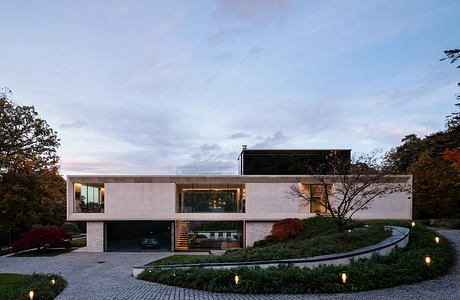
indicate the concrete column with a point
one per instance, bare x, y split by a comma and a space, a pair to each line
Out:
256, 231
95, 236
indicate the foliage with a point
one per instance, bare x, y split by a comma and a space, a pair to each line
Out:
10, 281
286, 229
40, 283
432, 161
80, 242
354, 191
436, 188
31, 189
43, 237
453, 156
71, 228
306, 243
403, 266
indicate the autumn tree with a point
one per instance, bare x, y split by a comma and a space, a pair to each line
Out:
343, 194
31, 189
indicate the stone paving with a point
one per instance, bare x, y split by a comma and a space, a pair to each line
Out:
107, 276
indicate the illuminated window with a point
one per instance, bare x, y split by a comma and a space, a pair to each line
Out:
89, 197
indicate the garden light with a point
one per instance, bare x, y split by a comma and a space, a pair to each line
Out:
343, 275
427, 259
31, 294
150, 270
349, 230
437, 239
412, 224
53, 281
237, 279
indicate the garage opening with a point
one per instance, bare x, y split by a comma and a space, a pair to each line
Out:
137, 236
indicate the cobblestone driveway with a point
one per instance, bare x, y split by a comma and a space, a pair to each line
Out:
107, 276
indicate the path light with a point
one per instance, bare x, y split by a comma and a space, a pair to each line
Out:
437, 239
53, 281
31, 294
427, 259
174, 274
150, 270
49, 274
237, 278
349, 230
412, 224
343, 275
367, 225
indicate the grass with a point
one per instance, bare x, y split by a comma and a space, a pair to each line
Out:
79, 243
10, 281
402, 266
17, 286
44, 252
318, 238
4, 250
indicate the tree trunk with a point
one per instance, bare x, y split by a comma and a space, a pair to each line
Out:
340, 226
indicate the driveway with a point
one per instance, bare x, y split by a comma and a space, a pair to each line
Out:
107, 276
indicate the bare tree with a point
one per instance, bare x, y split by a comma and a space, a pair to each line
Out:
342, 194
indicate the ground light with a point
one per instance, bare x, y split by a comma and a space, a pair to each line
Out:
437, 239
427, 260
150, 271
412, 224
53, 281
31, 294
349, 230
343, 275
237, 278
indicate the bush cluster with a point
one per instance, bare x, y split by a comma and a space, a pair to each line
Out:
402, 266
286, 229
41, 237
40, 283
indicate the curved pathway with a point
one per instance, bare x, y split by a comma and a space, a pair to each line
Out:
107, 276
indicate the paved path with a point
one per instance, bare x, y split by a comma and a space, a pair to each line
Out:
107, 276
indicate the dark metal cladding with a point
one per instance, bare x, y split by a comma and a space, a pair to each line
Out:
294, 162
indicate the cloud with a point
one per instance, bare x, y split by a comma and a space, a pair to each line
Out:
393, 131
74, 124
239, 135
100, 167
224, 57
255, 51
269, 142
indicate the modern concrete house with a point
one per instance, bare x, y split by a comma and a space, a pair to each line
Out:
198, 212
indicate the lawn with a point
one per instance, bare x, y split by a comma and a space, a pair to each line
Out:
403, 266
17, 286
319, 237
10, 281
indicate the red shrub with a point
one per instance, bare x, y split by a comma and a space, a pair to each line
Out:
285, 229
41, 237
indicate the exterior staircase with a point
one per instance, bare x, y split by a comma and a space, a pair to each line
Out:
182, 236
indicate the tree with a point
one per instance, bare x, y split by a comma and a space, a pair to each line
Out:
31, 189
356, 190
42, 238
453, 156
436, 187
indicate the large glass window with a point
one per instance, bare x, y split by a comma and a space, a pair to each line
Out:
210, 198
317, 194
195, 235
138, 236
89, 197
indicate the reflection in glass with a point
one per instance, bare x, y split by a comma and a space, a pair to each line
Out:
89, 197
210, 198
192, 235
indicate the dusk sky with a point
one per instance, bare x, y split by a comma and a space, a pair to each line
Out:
140, 87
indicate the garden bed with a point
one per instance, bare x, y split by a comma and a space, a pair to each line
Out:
403, 266
318, 238
18, 286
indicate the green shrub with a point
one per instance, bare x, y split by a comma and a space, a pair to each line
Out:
40, 283
402, 266
71, 228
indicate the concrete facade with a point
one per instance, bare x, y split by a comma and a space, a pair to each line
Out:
129, 198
